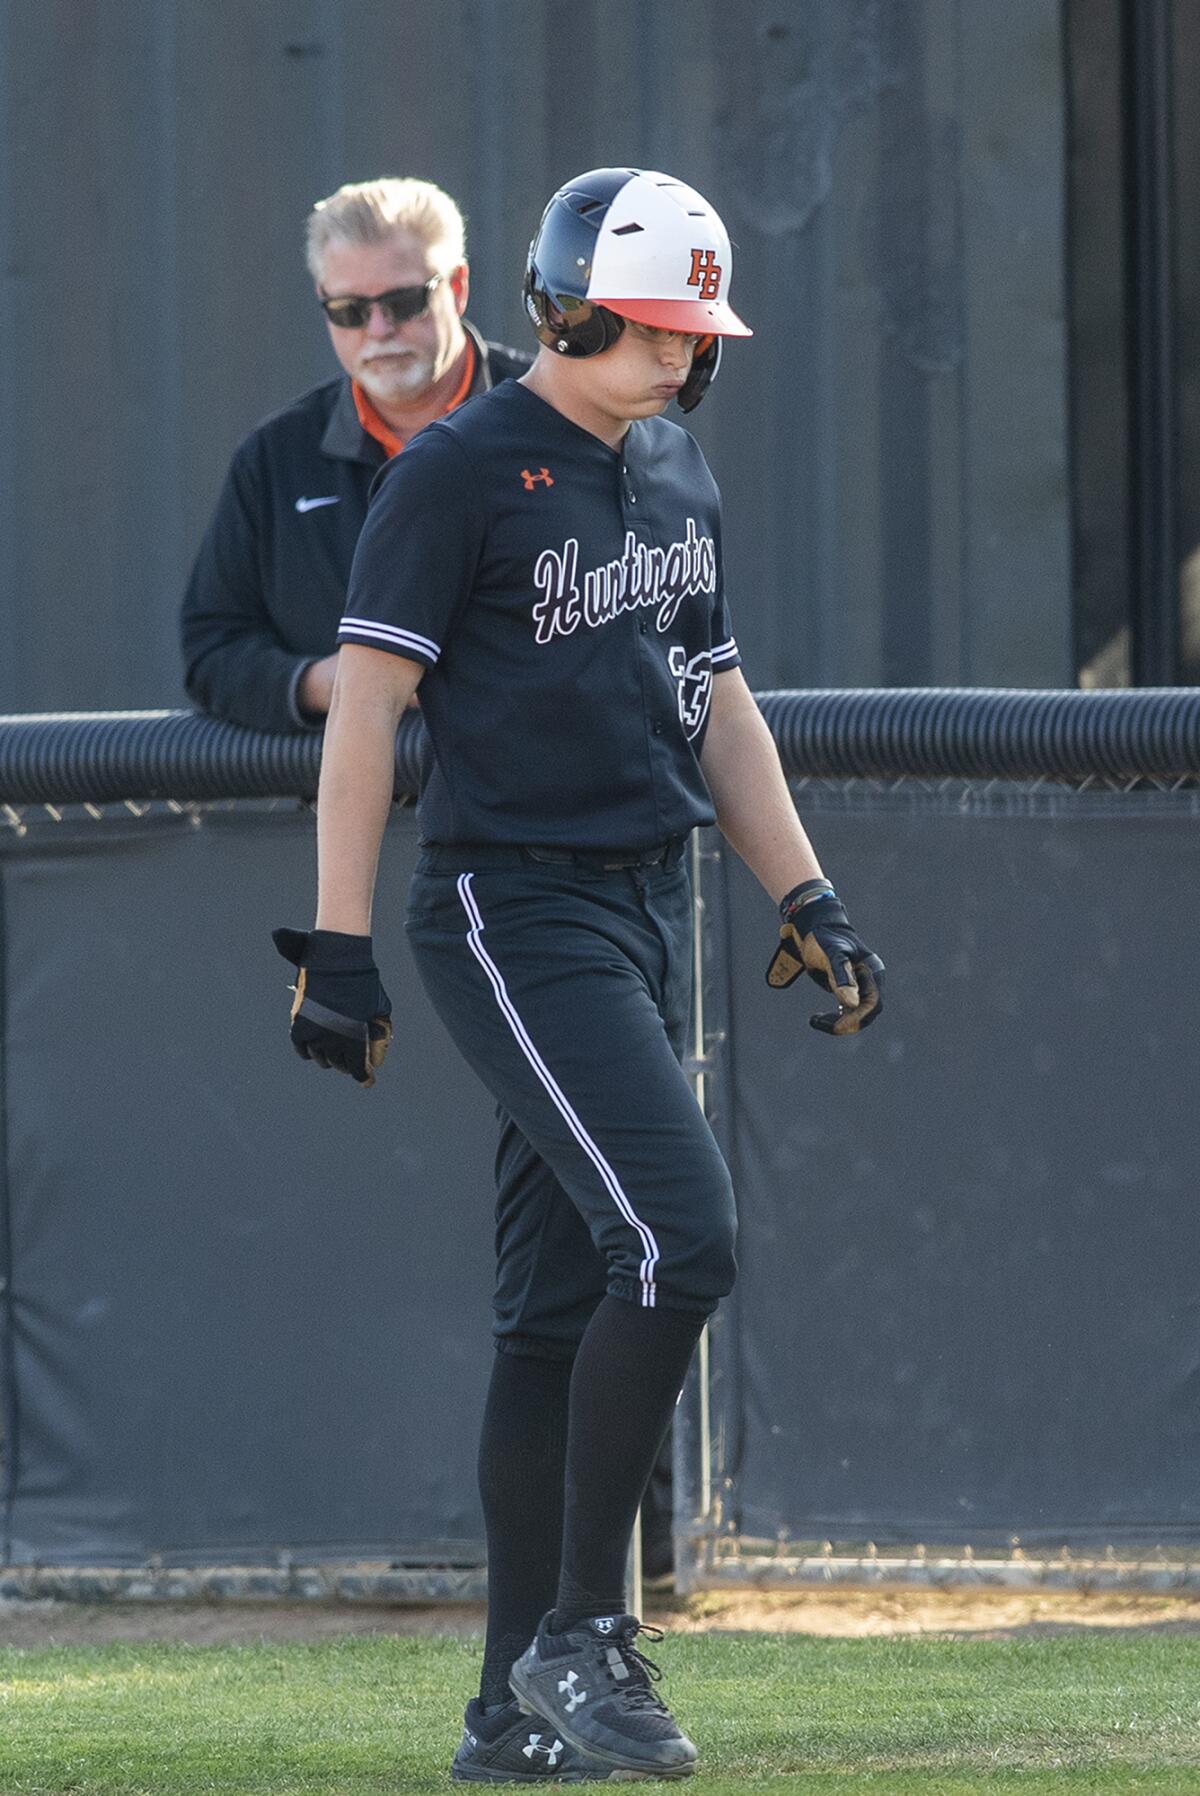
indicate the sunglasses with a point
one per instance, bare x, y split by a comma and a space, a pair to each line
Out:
351, 311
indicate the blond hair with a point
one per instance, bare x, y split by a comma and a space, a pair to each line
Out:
368, 212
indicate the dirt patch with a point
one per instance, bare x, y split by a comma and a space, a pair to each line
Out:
859, 1610
847, 1611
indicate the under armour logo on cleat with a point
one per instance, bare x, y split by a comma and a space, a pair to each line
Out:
574, 1697
604, 1624
552, 1751
531, 480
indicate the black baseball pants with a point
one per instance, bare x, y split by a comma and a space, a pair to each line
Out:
566, 985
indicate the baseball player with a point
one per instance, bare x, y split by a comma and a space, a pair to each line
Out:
546, 564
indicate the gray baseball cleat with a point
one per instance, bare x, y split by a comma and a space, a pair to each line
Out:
506, 1748
593, 1686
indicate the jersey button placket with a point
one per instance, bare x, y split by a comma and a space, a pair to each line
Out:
641, 529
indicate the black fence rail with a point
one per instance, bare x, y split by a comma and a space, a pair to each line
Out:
973, 733
107, 756
926, 732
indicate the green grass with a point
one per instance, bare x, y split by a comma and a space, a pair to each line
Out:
1095, 1711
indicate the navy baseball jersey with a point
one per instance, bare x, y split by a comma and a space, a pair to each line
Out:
568, 602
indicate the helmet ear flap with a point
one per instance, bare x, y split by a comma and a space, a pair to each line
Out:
571, 326
558, 269
705, 362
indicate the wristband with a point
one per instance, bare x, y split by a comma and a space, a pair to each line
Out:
806, 893
334, 952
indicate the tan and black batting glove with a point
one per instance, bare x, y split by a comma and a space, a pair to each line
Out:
816, 938
340, 1012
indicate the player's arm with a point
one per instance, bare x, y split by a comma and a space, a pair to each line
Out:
414, 564
341, 1015
370, 693
754, 808
314, 687
756, 816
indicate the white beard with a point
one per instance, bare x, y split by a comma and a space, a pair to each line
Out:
401, 377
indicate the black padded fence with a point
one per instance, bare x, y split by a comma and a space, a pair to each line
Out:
140, 755
245, 1311
971, 733
974, 734
965, 1319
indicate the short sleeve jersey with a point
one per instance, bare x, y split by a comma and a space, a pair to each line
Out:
568, 602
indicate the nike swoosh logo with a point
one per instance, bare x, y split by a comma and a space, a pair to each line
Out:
311, 504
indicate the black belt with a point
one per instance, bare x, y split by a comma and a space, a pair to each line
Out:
610, 860
462, 856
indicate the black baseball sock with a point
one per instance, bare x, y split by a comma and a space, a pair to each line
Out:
521, 1452
628, 1374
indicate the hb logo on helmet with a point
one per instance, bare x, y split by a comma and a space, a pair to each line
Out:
706, 273
695, 687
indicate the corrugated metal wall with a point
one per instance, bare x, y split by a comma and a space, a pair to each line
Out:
892, 444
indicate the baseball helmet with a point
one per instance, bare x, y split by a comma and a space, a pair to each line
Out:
627, 243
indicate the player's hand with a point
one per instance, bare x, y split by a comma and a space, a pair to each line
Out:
816, 938
341, 1011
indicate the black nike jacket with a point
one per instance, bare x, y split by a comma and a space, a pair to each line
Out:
268, 587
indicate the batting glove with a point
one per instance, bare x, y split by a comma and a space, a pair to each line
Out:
340, 1013
816, 938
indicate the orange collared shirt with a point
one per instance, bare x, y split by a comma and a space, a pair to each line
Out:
374, 425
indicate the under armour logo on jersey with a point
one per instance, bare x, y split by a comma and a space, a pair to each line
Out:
694, 689
706, 273
566, 1686
531, 480
552, 1752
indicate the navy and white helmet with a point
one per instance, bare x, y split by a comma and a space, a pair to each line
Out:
628, 243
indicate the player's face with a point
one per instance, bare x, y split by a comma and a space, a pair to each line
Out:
395, 363
642, 372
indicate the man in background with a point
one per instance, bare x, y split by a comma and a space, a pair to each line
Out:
268, 588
